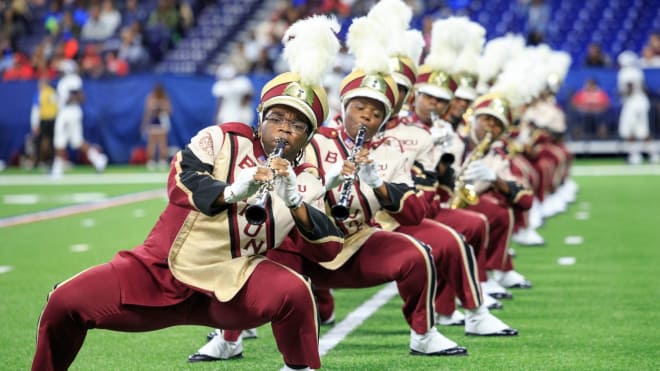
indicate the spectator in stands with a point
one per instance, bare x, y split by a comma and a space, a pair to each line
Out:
131, 50
133, 13
156, 126
15, 21
91, 63
538, 15
96, 28
263, 64
110, 16
20, 70
238, 59
591, 103
69, 26
114, 65
596, 57
651, 52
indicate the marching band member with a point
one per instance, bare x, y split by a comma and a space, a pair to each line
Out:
203, 262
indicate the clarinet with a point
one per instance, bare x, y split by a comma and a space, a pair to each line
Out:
340, 210
256, 213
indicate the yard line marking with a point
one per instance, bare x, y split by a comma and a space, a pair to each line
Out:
614, 170
79, 209
122, 178
5, 268
355, 318
79, 247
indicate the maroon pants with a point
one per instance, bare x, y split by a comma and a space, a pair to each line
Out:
500, 221
92, 300
455, 263
474, 227
385, 257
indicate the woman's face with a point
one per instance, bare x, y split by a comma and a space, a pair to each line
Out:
367, 111
285, 123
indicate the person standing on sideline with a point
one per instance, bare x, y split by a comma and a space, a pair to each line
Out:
68, 128
156, 126
634, 117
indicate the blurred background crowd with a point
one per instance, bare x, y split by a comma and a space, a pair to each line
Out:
222, 51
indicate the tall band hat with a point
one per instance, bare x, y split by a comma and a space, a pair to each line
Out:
371, 77
504, 97
434, 77
467, 61
310, 46
404, 46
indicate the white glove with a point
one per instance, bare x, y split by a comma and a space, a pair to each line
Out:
478, 171
287, 189
368, 173
333, 177
441, 133
243, 187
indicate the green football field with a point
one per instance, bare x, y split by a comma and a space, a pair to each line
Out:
599, 313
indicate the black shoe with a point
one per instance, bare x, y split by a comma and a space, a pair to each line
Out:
505, 332
495, 306
501, 295
198, 357
455, 351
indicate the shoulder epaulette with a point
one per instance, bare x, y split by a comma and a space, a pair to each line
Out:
237, 128
307, 168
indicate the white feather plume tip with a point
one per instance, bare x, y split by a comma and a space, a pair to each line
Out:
310, 46
365, 42
393, 13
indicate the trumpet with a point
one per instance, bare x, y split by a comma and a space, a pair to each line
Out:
256, 213
340, 210
464, 193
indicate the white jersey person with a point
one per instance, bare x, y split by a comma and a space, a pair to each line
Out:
69, 129
234, 96
634, 117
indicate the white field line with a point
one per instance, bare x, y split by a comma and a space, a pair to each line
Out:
355, 318
615, 170
82, 208
137, 178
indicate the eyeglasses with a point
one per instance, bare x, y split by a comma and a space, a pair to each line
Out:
297, 126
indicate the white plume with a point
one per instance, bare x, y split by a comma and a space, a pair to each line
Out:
366, 41
393, 13
446, 41
310, 46
415, 42
495, 55
468, 57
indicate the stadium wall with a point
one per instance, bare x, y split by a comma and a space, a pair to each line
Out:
113, 108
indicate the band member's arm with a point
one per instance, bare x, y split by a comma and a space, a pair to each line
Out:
191, 183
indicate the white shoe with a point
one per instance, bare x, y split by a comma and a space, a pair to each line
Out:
101, 163
151, 165
491, 303
250, 333
635, 158
654, 158
456, 319
432, 343
535, 214
494, 289
218, 349
528, 237
481, 322
513, 279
